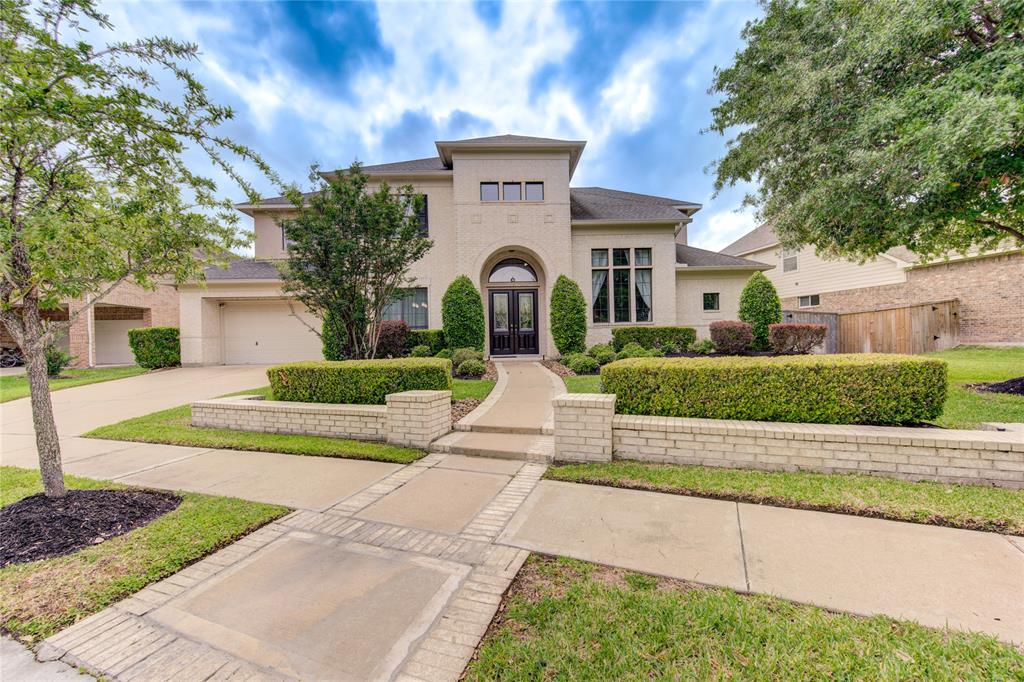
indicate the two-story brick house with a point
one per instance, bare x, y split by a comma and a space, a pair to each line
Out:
500, 210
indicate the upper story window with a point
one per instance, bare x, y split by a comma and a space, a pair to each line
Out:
789, 260
621, 287
535, 191
284, 240
511, 191
422, 215
488, 191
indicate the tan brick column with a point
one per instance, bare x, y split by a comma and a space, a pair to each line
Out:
418, 418
583, 427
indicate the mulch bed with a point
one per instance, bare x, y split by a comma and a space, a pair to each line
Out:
460, 408
1011, 386
558, 368
38, 527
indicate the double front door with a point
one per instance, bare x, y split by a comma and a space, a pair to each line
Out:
513, 322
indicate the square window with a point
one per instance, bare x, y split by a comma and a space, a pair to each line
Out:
535, 191
599, 258
512, 191
642, 256
711, 302
810, 301
620, 257
789, 260
488, 191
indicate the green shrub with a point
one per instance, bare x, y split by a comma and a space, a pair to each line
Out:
443, 353
760, 307
732, 337
432, 338
56, 360
472, 368
795, 339
568, 316
462, 315
653, 337
155, 347
420, 352
357, 382
702, 347
826, 389
671, 347
603, 353
460, 355
633, 350
583, 364
569, 357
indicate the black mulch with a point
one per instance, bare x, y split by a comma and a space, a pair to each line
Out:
38, 527
1011, 386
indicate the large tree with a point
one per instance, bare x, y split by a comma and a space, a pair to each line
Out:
94, 191
873, 124
349, 254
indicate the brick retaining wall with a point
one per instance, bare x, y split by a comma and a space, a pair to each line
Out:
954, 456
411, 418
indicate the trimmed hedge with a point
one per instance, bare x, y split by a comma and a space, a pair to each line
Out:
420, 352
155, 347
795, 339
653, 337
760, 306
462, 315
357, 382
732, 337
431, 338
568, 316
583, 364
822, 389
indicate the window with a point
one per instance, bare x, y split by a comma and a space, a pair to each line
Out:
810, 301
643, 257
599, 258
410, 307
642, 298
535, 191
511, 191
284, 240
621, 292
512, 270
421, 215
599, 290
711, 302
789, 260
488, 191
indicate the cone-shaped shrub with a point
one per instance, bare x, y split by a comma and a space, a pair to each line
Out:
760, 307
462, 315
568, 316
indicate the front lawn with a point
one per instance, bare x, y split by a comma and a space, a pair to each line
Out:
570, 620
40, 598
465, 388
174, 427
14, 387
583, 384
961, 506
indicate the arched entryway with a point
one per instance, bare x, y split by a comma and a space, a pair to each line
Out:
512, 281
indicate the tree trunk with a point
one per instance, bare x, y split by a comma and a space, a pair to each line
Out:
47, 443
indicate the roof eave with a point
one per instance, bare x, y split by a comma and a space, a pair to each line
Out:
329, 175
598, 222
683, 267
575, 148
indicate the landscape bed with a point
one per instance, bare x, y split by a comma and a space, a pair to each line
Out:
568, 619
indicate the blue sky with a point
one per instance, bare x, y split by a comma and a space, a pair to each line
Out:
333, 82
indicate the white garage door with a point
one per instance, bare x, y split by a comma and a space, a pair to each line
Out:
112, 341
264, 332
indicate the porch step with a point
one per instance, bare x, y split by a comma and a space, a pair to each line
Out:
518, 446
521, 430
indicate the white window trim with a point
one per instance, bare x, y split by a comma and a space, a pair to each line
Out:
809, 298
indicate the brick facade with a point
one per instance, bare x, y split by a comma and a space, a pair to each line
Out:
990, 291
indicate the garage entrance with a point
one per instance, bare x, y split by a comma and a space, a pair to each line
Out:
267, 332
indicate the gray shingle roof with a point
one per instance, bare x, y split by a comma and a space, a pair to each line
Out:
692, 257
431, 163
760, 237
598, 203
244, 269
508, 139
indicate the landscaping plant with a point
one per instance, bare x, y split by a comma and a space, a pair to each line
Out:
393, 337
460, 355
760, 307
568, 316
94, 185
795, 339
443, 353
702, 347
471, 368
653, 337
155, 347
56, 360
357, 382
462, 315
432, 338
421, 352
583, 364
602, 352
731, 337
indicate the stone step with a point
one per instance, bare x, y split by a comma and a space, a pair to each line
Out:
494, 428
522, 447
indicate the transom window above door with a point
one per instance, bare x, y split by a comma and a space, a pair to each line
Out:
512, 270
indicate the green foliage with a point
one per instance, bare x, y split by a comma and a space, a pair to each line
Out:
568, 316
392, 340
827, 389
443, 353
56, 360
472, 368
653, 337
795, 339
155, 347
357, 382
873, 125
460, 355
462, 315
702, 347
635, 350
420, 352
602, 352
333, 338
349, 252
732, 337
670, 347
760, 307
432, 338
583, 364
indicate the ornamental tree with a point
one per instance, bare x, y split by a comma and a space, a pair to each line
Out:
871, 125
349, 254
568, 316
94, 190
760, 308
462, 315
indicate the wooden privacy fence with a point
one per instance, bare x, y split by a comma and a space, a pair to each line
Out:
830, 320
911, 329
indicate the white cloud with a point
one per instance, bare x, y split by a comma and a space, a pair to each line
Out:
723, 228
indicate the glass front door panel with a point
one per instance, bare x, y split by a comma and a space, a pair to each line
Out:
501, 322
526, 312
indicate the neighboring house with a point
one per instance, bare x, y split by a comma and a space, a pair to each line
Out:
989, 286
100, 335
500, 210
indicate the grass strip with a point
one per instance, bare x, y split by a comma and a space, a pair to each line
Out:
14, 387
570, 620
40, 598
959, 506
